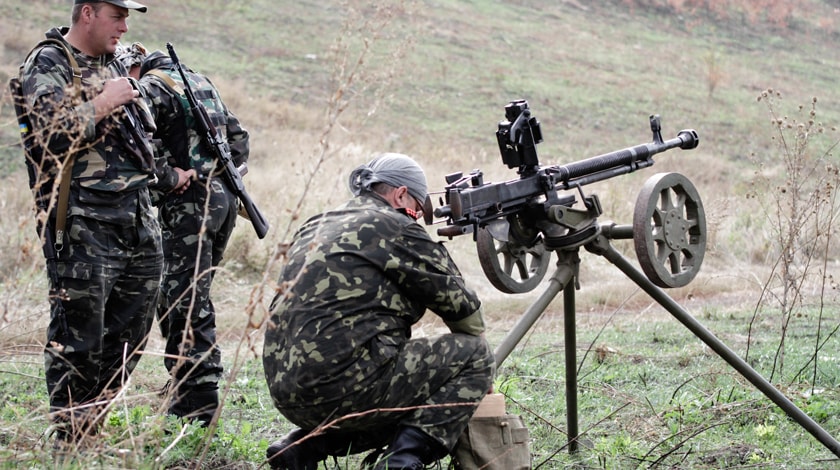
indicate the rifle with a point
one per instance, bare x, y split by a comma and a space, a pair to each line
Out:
220, 147
520, 208
141, 134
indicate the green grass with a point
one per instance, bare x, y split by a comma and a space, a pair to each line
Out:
649, 393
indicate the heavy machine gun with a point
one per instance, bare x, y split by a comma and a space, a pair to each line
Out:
517, 223
517, 226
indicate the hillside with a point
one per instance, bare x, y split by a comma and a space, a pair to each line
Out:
321, 86
333, 82
440, 72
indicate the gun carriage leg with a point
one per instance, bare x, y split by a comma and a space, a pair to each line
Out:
571, 367
565, 279
601, 246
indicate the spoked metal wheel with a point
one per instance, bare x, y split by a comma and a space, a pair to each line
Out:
512, 266
669, 230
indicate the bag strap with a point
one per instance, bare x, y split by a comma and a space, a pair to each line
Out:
74, 65
178, 90
166, 79
63, 202
64, 179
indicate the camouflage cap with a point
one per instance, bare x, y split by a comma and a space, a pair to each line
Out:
120, 3
393, 169
131, 56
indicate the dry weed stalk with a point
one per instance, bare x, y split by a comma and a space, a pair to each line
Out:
798, 198
354, 76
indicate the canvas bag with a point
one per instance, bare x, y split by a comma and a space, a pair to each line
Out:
493, 443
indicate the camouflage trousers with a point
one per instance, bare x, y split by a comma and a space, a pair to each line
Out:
192, 252
108, 275
434, 384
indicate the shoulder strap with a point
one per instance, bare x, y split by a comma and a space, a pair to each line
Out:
178, 90
64, 185
167, 80
74, 65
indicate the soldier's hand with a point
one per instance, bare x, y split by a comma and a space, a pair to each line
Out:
184, 179
115, 93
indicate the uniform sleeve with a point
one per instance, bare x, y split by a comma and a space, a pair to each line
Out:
429, 276
161, 104
59, 123
472, 325
238, 139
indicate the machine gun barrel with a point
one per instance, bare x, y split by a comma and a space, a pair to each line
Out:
619, 162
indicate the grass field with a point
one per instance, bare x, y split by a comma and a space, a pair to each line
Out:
322, 86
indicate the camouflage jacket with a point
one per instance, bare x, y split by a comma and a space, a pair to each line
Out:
357, 279
107, 156
180, 145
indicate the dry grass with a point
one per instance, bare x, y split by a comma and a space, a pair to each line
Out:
288, 146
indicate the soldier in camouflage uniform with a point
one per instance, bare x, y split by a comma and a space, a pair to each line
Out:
339, 343
108, 262
197, 220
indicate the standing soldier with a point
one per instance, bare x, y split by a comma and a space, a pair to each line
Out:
101, 240
197, 215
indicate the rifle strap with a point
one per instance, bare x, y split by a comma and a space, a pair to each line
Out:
66, 170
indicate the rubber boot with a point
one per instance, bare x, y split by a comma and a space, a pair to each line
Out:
411, 449
296, 456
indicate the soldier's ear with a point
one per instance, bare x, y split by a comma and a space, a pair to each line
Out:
88, 12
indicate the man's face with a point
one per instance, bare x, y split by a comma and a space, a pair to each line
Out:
403, 200
105, 28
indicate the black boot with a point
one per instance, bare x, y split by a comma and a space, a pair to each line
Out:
411, 449
195, 405
296, 456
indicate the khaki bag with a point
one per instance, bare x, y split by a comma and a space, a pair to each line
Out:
493, 443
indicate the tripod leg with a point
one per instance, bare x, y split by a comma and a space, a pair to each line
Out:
562, 276
571, 367
601, 246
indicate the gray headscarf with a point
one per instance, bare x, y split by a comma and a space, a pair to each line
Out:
393, 169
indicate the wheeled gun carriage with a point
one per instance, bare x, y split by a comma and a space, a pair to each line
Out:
517, 226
